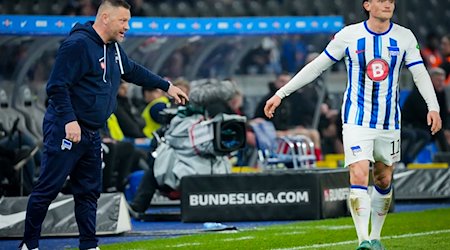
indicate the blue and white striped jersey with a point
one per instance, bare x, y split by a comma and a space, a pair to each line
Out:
373, 62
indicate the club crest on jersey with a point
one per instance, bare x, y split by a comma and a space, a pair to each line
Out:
377, 70
394, 51
356, 150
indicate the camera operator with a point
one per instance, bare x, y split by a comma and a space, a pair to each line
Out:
179, 154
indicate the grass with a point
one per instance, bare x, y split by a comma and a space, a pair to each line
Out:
428, 229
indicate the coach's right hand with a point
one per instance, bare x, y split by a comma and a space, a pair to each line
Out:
271, 105
73, 132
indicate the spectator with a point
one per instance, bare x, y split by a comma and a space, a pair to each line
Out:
293, 116
130, 125
430, 52
416, 129
293, 53
156, 102
445, 49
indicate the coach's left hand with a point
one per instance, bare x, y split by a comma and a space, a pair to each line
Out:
179, 96
434, 120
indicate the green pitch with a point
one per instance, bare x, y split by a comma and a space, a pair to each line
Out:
415, 230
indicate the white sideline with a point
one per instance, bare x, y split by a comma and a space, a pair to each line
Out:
355, 241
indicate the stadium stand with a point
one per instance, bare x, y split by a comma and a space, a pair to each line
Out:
434, 13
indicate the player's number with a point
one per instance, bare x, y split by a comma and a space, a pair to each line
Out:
395, 147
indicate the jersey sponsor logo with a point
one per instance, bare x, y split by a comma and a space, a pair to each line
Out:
377, 70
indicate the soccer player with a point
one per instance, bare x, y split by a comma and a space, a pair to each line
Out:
374, 51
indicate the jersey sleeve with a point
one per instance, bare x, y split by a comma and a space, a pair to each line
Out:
412, 56
335, 50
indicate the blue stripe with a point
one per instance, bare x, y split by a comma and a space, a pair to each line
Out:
397, 100
348, 101
375, 105
377, 44
361, 81
383, 191
330, 56
358, 187
413, 63
393, 43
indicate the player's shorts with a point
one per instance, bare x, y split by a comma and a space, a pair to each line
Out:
375, 145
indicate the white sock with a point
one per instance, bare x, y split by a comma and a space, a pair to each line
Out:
381, 200
359, 205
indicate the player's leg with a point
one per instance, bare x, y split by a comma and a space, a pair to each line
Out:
55, 167
386, 153
86, 187
359, 200
358, 148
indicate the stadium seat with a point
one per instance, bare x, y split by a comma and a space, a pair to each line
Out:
42, 7
149, 9
183, 9
219, 9
25, 103
254, 8
202, 9
237, 9
9, 116
273, 8
165, 10
281, 152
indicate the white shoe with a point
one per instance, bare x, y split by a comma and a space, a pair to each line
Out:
24, 247
97, 248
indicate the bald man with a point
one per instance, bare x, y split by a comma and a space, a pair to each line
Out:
82, 92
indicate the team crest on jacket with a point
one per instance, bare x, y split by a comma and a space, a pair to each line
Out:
377, 70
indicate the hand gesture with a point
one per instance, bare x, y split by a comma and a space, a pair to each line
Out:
179, 96
73, 132
271, 105
434, 120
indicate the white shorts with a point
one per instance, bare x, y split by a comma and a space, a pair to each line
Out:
361, 143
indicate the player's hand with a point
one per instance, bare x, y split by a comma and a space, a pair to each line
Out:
177, 94
434, 120
271, 105
73, 132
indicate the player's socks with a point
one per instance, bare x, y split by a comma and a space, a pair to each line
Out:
359, 204
381, 200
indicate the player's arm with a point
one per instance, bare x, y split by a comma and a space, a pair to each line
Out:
334, 52
308, 74
425, 86
423, 82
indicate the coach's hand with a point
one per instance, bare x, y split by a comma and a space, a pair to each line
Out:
271, 105
179, 96
73, 132
434, 120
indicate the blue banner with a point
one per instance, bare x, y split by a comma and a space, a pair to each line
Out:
157, 26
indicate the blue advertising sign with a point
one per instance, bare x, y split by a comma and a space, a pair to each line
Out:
158, 26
